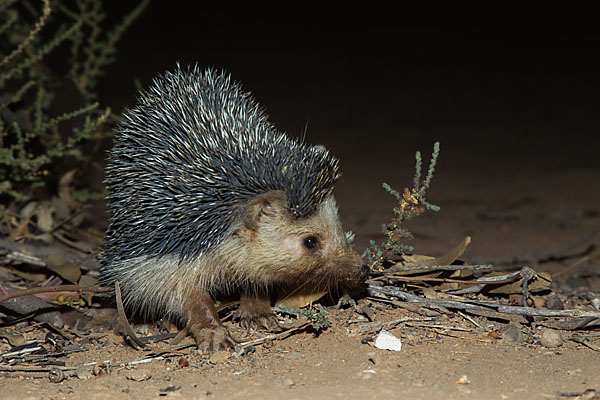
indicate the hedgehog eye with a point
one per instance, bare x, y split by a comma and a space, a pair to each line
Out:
310, 242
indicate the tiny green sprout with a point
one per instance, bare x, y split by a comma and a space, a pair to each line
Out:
317, 318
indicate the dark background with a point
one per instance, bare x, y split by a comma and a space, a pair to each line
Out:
510, 92
374, 78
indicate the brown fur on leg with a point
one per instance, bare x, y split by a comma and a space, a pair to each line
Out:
255, 312
205, 325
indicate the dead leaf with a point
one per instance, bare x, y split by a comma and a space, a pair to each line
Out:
294, 297
28, 210
543, 281
44, 217
414, 260
15, 339
87, 280
64, 238
25, 214
453, 254
67, 270
30, 276
65, 185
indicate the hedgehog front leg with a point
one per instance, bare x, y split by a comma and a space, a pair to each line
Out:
255, 312
204, 324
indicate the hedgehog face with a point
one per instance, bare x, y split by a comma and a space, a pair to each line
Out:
306, 251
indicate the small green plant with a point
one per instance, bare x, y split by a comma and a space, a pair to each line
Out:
317, 318
412, 203
48, 100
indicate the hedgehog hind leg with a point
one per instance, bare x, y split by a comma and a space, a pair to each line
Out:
205, 326
255, 312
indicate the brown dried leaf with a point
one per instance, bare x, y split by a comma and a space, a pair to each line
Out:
65, 238
44, 217
15, 339
28, 210
298, 297
25, 214
414, 260
66, 270
44, 237
30, 276
543, 281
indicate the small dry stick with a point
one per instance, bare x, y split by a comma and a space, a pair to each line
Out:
481, 306
471, 320
458, 336
444, 327
376, 326
477, 268
276, 336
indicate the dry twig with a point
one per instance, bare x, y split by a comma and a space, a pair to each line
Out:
469, 305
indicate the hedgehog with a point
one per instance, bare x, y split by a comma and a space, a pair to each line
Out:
207, 198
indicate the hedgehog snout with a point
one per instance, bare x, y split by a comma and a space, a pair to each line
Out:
351, 266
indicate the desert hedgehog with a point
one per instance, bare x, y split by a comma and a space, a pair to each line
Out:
206, 197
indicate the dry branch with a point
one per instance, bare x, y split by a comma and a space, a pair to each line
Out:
470, 305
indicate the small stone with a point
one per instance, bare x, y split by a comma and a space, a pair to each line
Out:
84, 373
289, 382
550, 338
374, 358
138, 375
512, 334
463, 380
538, 302
293, 355
554, 303
219, 356
494, 335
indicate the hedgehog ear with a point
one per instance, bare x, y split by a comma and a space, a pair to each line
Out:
264, 208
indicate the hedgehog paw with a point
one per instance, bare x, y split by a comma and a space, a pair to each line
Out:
254, 322
211, 339
255, 313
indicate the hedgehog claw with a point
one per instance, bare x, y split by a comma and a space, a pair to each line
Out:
255, 313
252, 323
212, 338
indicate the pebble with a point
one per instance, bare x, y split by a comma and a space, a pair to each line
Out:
374, 358
550, 338
138, 375
219, 356
84, 373
512, 334
293, 355
554, 303
289, 382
